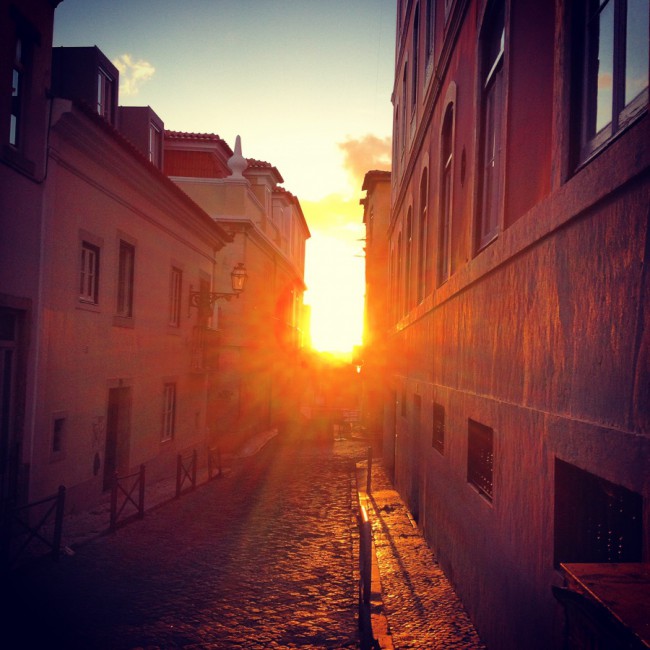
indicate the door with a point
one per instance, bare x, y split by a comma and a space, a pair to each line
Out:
10, 434
118, 428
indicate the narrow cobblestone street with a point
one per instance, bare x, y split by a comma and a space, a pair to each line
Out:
264, 558
261, 559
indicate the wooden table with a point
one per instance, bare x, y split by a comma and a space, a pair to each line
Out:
622, 590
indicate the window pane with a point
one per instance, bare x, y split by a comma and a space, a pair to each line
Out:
595, 520
480, 458
636, 49
600, 69
88, 279
125, 280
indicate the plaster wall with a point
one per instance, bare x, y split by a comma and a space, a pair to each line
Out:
87, 349
545, 350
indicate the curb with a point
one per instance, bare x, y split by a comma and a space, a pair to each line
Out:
375, 632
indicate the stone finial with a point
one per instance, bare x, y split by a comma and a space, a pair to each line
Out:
237, 163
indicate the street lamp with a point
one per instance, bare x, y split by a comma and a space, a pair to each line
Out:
204, 300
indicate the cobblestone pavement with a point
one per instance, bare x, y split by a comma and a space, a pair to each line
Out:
260, 559
420, 605
264, 558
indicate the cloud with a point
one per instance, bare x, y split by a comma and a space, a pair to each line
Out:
365, 153
132, 73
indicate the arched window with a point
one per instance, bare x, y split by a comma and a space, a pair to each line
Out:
424, 252
446, 187
414, 61
430, 22
398, 279
408, 257
492, 105
404, 110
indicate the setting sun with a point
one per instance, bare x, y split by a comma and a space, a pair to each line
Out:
335, 278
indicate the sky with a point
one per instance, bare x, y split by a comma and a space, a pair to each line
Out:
305, 83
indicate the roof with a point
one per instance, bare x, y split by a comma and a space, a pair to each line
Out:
130, 148
253, 163
198, 137
375, 176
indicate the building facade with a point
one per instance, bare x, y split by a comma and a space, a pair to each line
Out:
260, 333
373, 370
518, 420
25, 69
105, 262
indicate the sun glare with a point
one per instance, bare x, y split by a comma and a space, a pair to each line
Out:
335, 280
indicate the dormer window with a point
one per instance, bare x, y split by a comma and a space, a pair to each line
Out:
17, 92
155, 144
105, 93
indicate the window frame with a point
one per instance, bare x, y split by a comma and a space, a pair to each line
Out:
480, 458
175, 296
18, 82
489, 215
438, 427
58, 435
408, 262
446, 194
155, 144
105, 94
594, 520
404, 107
169, 411
90, 297
623, 114
415, 58
430, 21
125, 279
424, 251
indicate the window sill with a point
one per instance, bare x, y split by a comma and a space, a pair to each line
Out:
124, 321
14, 158
88, 306
484, 495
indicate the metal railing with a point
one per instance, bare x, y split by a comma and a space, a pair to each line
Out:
18, 534
185, 472
365, 557
120, 487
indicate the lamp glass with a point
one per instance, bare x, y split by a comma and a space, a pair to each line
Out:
238, 277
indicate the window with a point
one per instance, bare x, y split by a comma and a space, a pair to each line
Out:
398, 277
613, 38
595, 520
155, 144
89, 273
105, 91
404, 95
446, 162
58, 432
416, 52
125, 273
169, 412
492, 102
403, 404
396, 137
175, 292
424, 254
438, 435
430, 18
17, 93
480, 458
408, 256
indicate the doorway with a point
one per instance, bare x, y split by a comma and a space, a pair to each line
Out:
118, 429
11, 406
